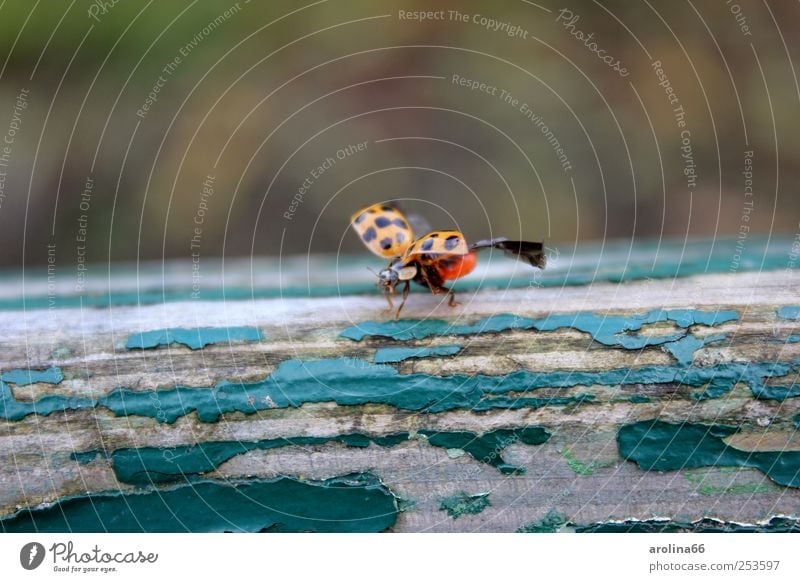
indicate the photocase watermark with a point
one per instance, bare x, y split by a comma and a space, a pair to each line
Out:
51, 276
67, 559
553, 257
548, 134
679, 115
172, 66
738, 15
195, 243
490, 24
794, 252
747, 209
359, 363
317, 172
568, 20
507, 98
31, 555
486, 22
100, 8
10, 138
161, 416
82, 234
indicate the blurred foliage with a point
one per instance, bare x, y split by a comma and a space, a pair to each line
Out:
264, 95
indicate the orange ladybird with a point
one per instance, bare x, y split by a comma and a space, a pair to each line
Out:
430, 260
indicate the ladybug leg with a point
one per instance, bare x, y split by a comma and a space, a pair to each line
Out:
438, 289
406, 289
435, 289
388, 294
427, 281
452, 300
451, 296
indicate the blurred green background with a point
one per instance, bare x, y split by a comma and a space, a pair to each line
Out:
201, 126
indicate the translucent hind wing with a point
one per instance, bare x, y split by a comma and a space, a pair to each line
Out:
418, 222
532, 252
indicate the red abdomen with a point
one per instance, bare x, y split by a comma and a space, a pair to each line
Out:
456, 267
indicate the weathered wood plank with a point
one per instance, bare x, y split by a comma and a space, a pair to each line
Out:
579, 386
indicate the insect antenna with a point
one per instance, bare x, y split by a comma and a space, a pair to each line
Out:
377, 276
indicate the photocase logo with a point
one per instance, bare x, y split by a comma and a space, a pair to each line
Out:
31, 555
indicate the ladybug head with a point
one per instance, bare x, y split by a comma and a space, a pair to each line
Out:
388, 278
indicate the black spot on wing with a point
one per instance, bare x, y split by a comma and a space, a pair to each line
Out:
382, 222
427, 244
386, 243
400, 238
369, 234
360, 218
400, 222
451, 242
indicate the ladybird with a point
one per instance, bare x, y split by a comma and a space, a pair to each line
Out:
430, 260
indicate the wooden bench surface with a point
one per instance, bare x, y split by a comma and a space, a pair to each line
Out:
623, 388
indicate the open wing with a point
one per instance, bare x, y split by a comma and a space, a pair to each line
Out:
417, 222
383, 229
533, 252
439, 245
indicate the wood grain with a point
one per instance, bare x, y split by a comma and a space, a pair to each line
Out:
578, 472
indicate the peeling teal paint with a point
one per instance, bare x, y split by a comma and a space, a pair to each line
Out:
705, 525
461, 503
405, 504
639, 399
351, 503
86, 457
550, 523
776, 391
490, 402
726, 376
790, 312
487, 447
24, 377
683, 349
295, 383
348, 381
394, 355
149, 465
13, 409
194, 338
615, 331
609, 330
416, 329
661, 446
